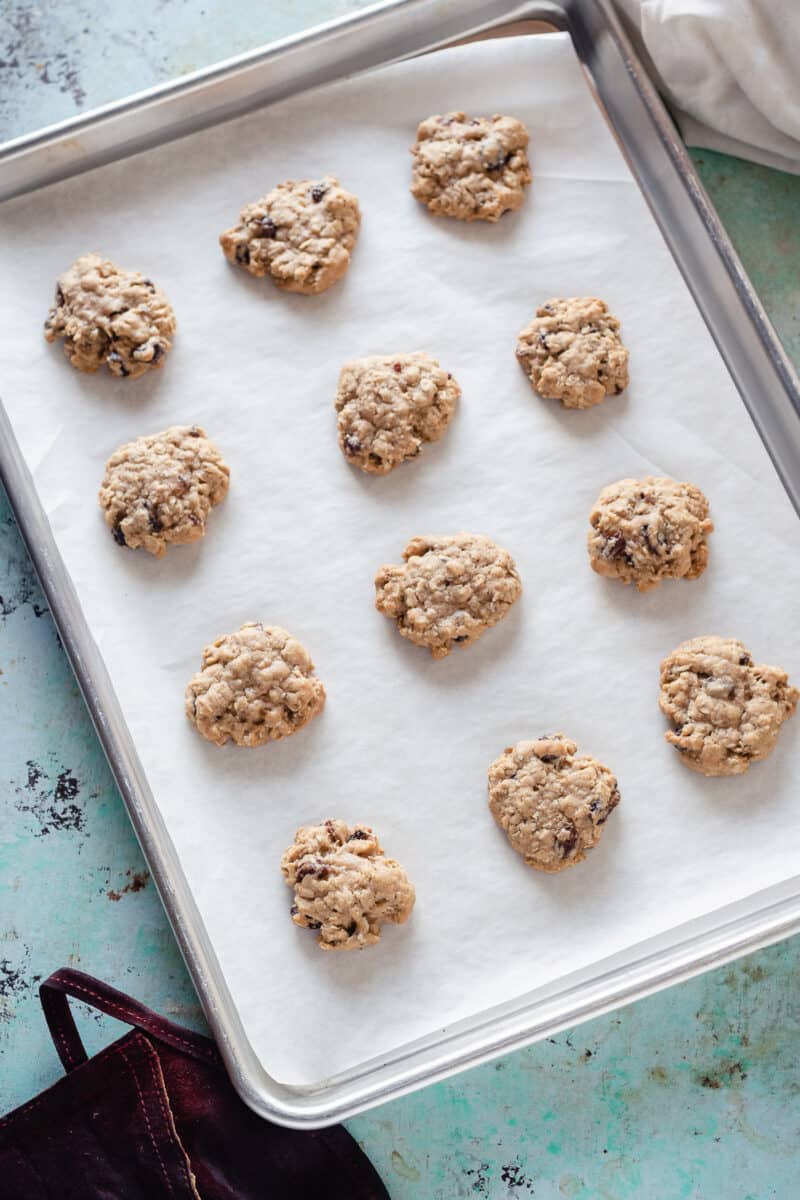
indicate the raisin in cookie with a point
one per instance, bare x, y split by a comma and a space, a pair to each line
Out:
389, 406
646, 530
301, 234
726, 710
254, 686
159, 490
550, 803
472, 168
449, 591
572, 352
344, 885
110, 316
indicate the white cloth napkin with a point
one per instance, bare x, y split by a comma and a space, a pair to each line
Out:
730, 70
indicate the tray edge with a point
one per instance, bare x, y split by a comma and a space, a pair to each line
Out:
345, 1095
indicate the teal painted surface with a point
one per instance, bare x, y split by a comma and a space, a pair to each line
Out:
760, 209
73, 885
59, 59
692, 1093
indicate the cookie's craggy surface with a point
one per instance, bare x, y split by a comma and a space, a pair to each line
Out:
301, 234
344, 885
572, 352
551, 803
449, 591
255, 686
389, 406
160, 489
727, 711
112, 317
472, 168
646, 530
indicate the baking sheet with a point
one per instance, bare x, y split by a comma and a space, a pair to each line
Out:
404, 742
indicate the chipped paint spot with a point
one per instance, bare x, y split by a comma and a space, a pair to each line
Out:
21, 586
12, 980
67, 787
25, 53
723, 1076
137, 881
513, 1175
404, 1169
479, 1178
14, 983
55, 806
34, 775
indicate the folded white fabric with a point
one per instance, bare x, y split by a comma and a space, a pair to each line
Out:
730, 70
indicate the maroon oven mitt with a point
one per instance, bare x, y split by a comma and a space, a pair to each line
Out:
154, 1115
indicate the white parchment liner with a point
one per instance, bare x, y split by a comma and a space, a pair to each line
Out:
404, 741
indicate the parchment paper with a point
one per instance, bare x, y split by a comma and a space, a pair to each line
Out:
404, 742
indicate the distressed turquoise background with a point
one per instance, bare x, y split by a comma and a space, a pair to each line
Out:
693, 1093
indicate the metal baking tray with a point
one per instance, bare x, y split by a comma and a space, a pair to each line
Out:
376, 36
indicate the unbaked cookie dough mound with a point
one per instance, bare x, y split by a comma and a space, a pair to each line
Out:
726, 710
389, 405
449, 590
471, 168
112, 317
572, 352
646, 530
159, 490
344, 885
254, 686
551, 802
301, 234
